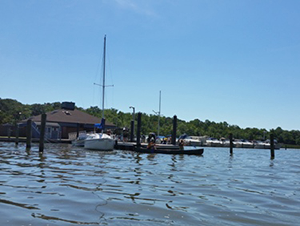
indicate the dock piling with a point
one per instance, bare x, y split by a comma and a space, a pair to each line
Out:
132, 131
174, 130
28, 134
42, 133
272, 146
77, 130
138, 132
231, 144
17, 135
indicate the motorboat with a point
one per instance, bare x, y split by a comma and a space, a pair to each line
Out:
214, 143
265, 144
188, 141
243, 144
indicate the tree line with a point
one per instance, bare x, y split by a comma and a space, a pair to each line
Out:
12, 111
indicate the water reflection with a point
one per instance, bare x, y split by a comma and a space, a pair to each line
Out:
18, 204
61, 220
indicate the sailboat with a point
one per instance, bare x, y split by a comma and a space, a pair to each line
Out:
100, 141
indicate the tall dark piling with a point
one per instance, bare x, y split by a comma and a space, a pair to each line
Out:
231, 144
77, 130
174, 129
138, 131
28, 134
9, 132
17, 135
132, 131
272, 146
42, 132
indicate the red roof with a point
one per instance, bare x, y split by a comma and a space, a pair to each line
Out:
70, 116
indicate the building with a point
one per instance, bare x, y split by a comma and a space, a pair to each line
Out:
65, 121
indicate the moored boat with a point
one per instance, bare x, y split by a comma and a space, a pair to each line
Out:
189, 141
214, 143
170, 150
266, 145
99, 141
243, 144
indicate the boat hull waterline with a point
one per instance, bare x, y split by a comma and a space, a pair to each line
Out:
103, 144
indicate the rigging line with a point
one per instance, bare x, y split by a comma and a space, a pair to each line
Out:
98, 78
95, 78
113, 96
110, 73
105, 97
100, 62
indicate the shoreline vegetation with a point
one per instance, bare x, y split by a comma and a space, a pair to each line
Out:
36, 140
290, 146
12, 112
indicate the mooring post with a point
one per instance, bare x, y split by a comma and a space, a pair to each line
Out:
132, 131
138, 131
28, 134
42, 133
272, 146
77, 130
174, 129
9, 132
17, 135
231, 144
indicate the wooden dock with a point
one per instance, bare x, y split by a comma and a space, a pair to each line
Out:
159, 148
34, 140
120, 145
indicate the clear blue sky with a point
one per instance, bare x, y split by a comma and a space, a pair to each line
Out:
236, 61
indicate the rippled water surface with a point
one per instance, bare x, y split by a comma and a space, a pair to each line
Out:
72, 186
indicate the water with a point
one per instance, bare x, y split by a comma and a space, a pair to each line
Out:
72, 186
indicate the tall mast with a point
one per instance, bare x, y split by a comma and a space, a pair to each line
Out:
159, 111
103, 83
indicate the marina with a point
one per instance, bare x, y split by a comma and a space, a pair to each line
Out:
149, 113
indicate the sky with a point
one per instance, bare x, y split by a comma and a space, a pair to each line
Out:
236, 61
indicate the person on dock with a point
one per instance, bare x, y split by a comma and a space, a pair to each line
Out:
151, 141
181, 144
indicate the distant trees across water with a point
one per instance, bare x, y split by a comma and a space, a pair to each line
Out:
12, 111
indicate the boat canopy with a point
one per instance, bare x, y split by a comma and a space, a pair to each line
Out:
100, 125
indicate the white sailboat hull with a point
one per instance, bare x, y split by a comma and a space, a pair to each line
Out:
101, 142
78, 143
